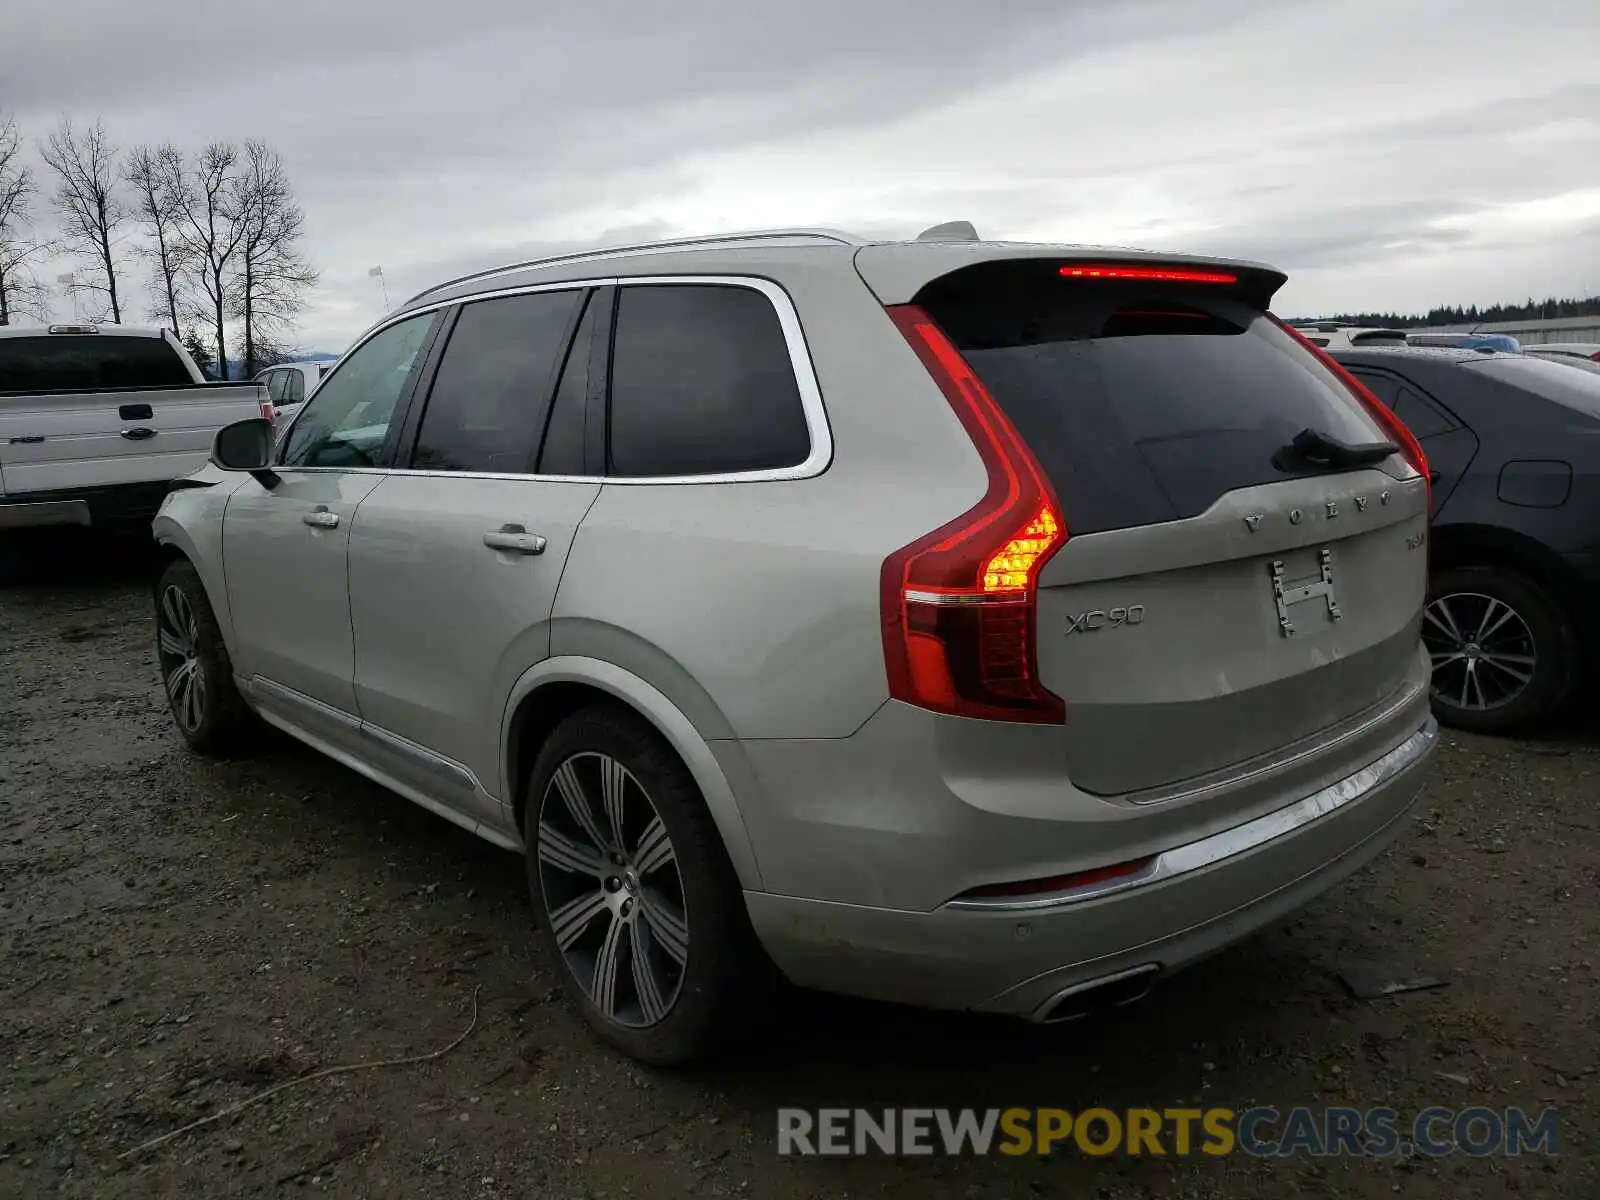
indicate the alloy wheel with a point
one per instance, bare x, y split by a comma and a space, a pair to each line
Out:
178, 643
1482, 651
610, 882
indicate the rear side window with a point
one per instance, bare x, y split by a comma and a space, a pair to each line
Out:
294, 387
1144, 405
1421, 417
487, 408
702, 384
88, 362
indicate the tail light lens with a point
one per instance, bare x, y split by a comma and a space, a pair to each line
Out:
1410, 448
959, 604
269, 412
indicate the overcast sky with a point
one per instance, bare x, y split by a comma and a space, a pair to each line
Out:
1392, 154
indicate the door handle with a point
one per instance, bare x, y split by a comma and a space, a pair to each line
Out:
321, 518
138, 433
514, 538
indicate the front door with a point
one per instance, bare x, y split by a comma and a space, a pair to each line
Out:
285, 536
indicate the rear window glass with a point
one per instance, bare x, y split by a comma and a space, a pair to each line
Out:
88, 362
1551, 380
1145, 406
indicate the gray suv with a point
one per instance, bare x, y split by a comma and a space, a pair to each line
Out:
977, 625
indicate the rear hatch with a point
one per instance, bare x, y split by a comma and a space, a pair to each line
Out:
1222, 595
85, 410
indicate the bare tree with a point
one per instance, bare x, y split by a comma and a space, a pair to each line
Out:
272, 274
21, 293
88, 201
150, 172
210, 229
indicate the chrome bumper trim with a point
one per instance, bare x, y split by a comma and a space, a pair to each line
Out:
1194, 856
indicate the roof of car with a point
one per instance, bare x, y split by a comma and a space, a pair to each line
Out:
892, 268
1382, 350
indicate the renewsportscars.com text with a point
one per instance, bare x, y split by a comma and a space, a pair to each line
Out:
1477, 1132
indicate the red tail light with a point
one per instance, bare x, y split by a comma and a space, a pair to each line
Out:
959, 604
1595, 356
1410, 448
269, 412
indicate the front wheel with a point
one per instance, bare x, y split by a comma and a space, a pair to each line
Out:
196, 671
635, 896
1502, 649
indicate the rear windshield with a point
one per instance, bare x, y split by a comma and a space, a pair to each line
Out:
1146, 405
88, 362
1549, 380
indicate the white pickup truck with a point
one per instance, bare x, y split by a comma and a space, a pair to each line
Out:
97, 421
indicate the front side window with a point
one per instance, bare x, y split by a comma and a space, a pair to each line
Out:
347, 422
702, 384
491, 397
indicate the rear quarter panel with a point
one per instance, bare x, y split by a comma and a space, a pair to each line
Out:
754, 606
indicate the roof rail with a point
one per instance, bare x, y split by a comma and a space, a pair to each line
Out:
821, 235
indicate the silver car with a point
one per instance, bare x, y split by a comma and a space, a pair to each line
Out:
985, 626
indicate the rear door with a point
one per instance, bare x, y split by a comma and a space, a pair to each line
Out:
1220, 597
1449, 445
86, 410
455, 557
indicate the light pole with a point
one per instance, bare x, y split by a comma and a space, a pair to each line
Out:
378, 273
70, 282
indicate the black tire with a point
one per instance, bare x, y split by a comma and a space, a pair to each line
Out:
1539, 627
724, 990
224, 725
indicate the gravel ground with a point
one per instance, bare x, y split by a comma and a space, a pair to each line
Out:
178, 935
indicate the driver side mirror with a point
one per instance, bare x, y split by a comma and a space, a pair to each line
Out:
245, 446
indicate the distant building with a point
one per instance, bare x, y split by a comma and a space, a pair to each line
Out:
1531, 333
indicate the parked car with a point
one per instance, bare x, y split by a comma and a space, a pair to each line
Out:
1515, 595
966, 624
96, 421
1331, 334
1501, 342
1574, 361
288, 384
1585, 351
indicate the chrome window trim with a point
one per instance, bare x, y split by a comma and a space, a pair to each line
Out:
820, 433
1229, 843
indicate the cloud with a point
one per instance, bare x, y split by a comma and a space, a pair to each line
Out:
1375, 150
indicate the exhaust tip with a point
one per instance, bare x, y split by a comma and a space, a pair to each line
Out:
1098, 995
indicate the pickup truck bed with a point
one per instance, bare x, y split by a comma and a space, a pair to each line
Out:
104, 455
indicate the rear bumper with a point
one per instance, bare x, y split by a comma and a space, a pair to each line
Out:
116, 504
1016, 958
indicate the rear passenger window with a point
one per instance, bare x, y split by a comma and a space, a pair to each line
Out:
294, 387
1143, 404
487, 407
702, 384
1421, 417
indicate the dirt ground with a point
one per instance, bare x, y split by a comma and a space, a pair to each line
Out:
177, 935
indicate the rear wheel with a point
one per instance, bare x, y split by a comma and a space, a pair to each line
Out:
1502, 649
196, 671
635, 896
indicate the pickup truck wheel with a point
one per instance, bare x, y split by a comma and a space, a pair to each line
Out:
1502, 650
196, 671
639, 906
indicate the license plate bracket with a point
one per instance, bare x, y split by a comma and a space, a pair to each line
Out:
1288, 593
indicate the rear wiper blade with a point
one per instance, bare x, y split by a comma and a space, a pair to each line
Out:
1320, 450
